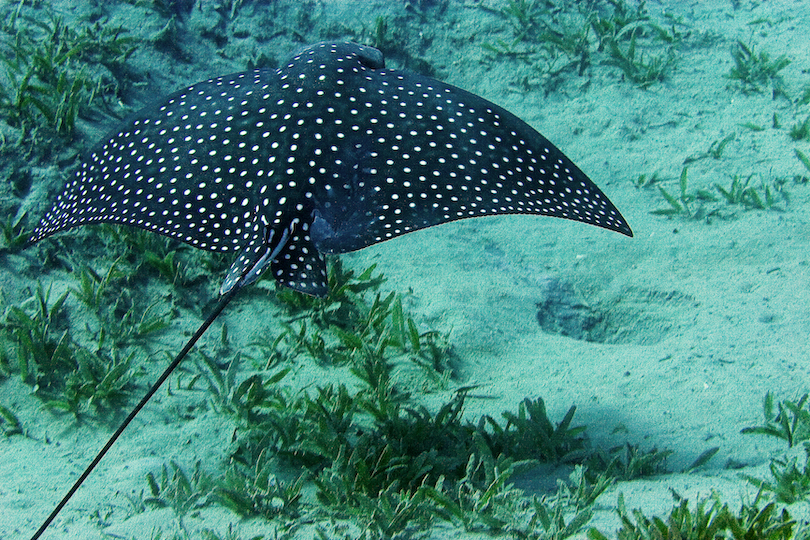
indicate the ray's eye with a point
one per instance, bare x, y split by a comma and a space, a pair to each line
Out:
370, 58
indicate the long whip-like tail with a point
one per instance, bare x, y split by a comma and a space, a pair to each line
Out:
165, 375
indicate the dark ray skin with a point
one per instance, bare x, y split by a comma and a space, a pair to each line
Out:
330, 153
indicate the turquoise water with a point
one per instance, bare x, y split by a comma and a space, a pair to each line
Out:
690, 119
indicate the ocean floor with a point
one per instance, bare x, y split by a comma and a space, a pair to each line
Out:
669, 340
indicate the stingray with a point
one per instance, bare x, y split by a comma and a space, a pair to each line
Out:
328, 154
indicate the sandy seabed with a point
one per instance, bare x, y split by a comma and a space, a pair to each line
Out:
695, 319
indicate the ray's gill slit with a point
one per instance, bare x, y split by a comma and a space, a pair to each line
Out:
328, 154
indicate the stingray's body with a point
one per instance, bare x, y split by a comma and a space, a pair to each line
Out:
328, 154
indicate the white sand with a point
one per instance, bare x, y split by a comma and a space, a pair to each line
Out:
705, 317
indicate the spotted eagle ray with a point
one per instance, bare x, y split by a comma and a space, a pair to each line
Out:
328, 154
